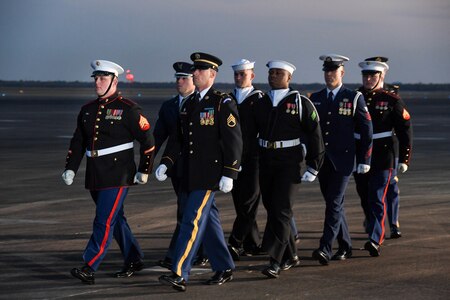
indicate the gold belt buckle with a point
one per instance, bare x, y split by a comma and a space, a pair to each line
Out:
94, 153
271, 145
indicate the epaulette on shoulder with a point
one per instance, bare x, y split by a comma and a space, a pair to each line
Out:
390, 93
220, 94
127, 101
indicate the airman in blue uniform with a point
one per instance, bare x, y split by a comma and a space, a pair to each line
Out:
341, 110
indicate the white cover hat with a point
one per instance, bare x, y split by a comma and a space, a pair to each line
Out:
243, 64
106, 67
281, 64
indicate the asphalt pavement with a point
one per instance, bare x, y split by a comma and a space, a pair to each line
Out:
45, 225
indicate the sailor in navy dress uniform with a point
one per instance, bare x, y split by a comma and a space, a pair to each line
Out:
341, 110
166, 125
106, 129
389, 114
210, 143
285, 119
392, 195
244, 238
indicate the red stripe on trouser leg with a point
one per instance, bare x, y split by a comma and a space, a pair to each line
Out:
383, 200
107, 228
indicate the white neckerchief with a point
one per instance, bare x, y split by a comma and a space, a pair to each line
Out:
203, 93
242, 93
335, 91
277, 95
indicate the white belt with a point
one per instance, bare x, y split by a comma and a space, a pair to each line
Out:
110, 150
376, 135
279, 144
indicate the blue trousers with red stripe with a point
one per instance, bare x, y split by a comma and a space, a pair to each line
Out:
200, 223
110, 222
377, 193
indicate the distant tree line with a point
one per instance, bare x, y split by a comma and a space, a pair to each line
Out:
223, 86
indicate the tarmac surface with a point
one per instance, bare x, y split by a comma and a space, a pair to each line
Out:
45, 225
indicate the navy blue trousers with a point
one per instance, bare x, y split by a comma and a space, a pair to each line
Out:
200, 224
110, 222
333, 185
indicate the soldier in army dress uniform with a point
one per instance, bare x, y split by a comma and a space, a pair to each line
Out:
389, 116
210, 143
106, 129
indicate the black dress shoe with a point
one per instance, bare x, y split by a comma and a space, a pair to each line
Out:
175, 281
165, 263
220, 277
342, 254
201, 261
235, 252
130, 269
373, 248
290, 263
272, 271
85, 274
395, 232
321, 257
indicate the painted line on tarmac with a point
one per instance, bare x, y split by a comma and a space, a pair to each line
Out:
5, 221
194, 271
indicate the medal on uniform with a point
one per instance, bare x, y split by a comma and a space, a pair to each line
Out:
288, 105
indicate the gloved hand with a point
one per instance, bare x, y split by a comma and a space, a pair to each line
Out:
160, 172
402, 168
308, 177
225, 184
68, 176
362, 169
140, 178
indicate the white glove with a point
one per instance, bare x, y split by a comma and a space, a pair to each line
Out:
225, 184
308, 177
402, 168
160, 172
362, 169
68, 176
140, 178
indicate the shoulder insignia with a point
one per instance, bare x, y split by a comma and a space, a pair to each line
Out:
143, 123
406, 115
231, 120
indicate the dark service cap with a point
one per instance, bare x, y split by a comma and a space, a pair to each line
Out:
182, 69
205, 61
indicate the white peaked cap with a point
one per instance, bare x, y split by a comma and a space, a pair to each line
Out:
106, 66
373, 66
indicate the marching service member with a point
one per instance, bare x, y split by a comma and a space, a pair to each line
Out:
284, 119
341, 110
106, 129
210, 143
389, 116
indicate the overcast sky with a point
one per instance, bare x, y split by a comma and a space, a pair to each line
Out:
57, 39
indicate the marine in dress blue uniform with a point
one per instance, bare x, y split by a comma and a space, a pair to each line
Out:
341, 110
284, 119
106, 129
210, 143
244, 238
393, 192
389, 115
